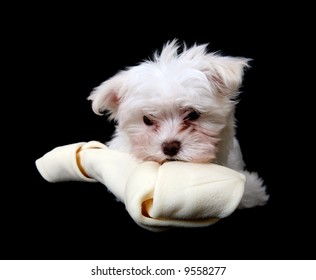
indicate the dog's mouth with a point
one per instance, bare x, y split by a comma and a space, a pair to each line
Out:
182, 160
163, 160
169, 159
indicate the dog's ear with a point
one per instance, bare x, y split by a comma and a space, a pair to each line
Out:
106, 97
227, 73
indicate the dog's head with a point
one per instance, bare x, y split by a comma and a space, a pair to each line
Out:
174, 106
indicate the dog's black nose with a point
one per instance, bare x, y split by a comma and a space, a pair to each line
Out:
171, 148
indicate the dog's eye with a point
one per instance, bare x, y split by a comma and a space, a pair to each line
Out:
147, 121
194, 115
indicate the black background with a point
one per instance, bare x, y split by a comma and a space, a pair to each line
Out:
56, 56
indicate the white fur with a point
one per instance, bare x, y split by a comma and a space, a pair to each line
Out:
179, 106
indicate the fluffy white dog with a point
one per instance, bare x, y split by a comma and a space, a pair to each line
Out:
179, 106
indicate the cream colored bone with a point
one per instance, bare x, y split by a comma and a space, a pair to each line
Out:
157, 197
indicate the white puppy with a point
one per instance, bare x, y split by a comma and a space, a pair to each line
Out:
179, 106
